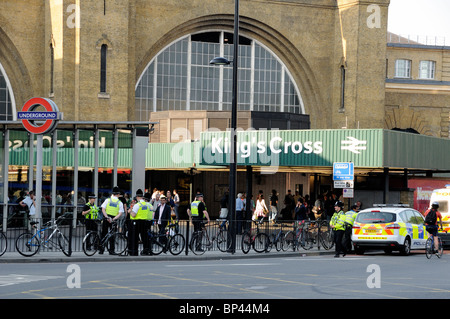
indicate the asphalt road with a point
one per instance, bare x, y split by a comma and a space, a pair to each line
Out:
315, 277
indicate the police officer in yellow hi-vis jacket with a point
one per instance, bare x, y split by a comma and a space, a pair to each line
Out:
139, 217
112, 209
90, 212
337, 223
350, 217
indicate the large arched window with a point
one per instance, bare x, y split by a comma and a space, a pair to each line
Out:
7, 107
180, 78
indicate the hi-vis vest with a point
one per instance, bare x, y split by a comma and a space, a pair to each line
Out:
350, 217
112, 208
144, 211
194, 207
338, 220
93, 213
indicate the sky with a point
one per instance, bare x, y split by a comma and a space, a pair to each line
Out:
420, 17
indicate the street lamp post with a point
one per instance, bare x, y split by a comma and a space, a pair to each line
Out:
233, 165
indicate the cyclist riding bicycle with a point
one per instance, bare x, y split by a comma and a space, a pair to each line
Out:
432, 222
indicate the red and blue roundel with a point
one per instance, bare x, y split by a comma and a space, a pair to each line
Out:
39, 121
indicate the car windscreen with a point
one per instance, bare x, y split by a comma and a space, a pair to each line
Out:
376, 217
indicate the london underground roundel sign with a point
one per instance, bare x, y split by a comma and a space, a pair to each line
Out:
39, 115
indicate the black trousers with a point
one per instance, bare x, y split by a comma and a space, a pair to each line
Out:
338, 241
138, 232
348, 238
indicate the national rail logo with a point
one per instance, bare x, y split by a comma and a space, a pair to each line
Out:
38, 121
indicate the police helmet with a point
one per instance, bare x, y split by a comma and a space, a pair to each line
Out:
435, 205
339, 204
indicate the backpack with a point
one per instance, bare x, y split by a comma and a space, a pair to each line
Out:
431, 217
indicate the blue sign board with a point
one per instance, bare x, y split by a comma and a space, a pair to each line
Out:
343, 171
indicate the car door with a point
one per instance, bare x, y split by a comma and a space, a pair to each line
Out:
421, 229
412, 229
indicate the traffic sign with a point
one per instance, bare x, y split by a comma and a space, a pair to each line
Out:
348, 193
39, 122
343, 184
343, 171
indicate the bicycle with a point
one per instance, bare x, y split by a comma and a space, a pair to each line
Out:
430, 248
294, 237
200, 241
116, 243
258, 240
276, 238
3, 243
159, 243
28, 244
318, 231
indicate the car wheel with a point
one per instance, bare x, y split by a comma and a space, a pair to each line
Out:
406, 248
359, 250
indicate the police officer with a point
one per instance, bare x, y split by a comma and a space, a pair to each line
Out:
112, 209
337, 223
350, 217
90, 212
138, 217
197, 212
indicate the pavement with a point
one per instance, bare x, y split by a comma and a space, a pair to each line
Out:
79, 256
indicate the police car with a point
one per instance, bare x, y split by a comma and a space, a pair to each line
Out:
389, 227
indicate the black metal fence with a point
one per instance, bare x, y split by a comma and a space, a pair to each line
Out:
75, 230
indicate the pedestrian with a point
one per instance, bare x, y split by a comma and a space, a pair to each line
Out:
239, 213
162, 217
350, 217
318, 208
176, 201
224, 209
289, 206
90, 212
273, 201
30, 202
329, 201
112, 210
261, 209
300, 211
337, 224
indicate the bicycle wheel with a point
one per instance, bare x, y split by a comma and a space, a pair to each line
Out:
3, 243
429, 247
325, 237
288, 241
246, 243
198, 245
176, 244
261, 242
306, 240
91, 243
27, 244
156, 247
117, 244
63, 243
440, 248
279, 242
224, 240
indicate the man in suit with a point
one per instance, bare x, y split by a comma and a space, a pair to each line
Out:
162, 216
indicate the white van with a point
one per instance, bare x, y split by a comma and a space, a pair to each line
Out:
442, 196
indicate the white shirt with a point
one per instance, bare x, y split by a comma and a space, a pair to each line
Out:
161, 209
29, 202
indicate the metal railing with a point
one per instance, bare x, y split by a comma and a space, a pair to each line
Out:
76, 233
417, 40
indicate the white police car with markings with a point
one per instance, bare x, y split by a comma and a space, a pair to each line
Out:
390, 228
